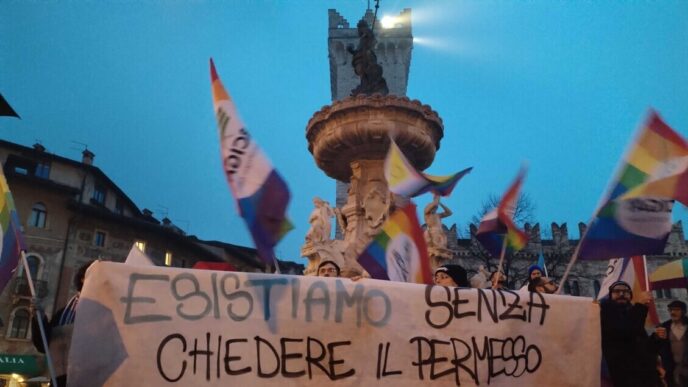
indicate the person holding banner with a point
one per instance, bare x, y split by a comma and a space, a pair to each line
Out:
630, 354
673, 341
451, 275
534, 272
328, 269
59, 330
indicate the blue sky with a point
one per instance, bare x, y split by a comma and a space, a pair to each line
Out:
560, 84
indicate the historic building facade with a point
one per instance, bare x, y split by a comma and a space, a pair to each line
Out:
72, 213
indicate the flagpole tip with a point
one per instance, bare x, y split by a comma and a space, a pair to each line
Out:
213, 72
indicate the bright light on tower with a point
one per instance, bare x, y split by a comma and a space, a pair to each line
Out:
388, 21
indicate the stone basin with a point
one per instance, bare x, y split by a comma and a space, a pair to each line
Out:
360, 127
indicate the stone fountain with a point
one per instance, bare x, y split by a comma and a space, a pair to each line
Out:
349, 140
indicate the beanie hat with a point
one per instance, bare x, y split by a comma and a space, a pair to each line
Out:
533, 268
620, 283
457, 273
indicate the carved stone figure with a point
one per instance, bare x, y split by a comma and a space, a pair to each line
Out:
320, 221
365, 63
376, 206
434, 234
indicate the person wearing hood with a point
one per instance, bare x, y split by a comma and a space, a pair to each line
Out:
451, 275
630, 354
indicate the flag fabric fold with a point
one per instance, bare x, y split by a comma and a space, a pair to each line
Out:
403, 179
262, 195
398, 252
10, 233
498, 224
635, 216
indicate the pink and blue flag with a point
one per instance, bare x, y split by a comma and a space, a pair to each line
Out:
10, 233
261, 194
498, 224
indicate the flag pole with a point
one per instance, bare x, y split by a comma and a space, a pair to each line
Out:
39, 317
276, 262
501, 263
574, 257
647, 275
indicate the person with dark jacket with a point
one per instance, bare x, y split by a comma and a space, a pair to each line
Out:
673, 345
59, 330
630, 354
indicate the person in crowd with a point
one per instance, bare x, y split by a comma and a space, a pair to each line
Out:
673, 345
534, 271
328, 269
630, 354
498, 281
542, 285
451, 275
59, 329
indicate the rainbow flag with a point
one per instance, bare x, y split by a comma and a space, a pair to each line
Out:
671, 275
398, 252
261, 194
635, 216
10, 232
403, 179
632, 271
498, 224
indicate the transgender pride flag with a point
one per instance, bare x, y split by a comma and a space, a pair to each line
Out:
398, 252
10, 233
262, 196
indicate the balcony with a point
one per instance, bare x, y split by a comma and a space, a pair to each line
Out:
21, 288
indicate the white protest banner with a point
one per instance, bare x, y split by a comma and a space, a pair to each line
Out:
155, 326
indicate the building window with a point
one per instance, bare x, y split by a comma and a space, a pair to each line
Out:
168, 258
99, 238
663, 293
19, 324
141, 245
38, 215
119, 207
43, 170
567, 287
98, 195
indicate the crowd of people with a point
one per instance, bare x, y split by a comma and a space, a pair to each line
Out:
632, 357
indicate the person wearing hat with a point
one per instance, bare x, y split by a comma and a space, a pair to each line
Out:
451, 275
328, 269
673, 344
630, 354
534, 272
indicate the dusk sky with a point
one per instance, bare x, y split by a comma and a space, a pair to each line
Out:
563, 85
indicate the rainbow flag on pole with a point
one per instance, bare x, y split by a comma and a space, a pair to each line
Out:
403, 179
498, 224
10, 232
398, 252
635, 216
261, 194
